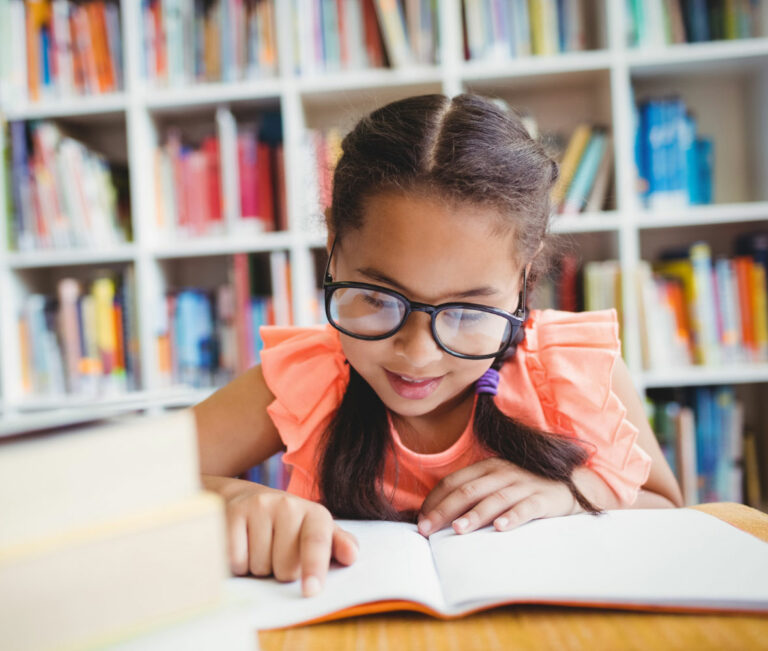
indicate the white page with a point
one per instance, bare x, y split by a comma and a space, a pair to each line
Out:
394, 562
680, 557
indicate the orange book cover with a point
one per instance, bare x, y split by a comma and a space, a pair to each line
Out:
743, 268
97, 26
86, 49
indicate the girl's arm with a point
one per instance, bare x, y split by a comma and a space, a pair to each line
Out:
268, 531
661, 488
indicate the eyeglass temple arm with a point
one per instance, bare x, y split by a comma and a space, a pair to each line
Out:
327, 278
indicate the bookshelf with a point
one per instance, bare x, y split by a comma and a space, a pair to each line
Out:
726, 83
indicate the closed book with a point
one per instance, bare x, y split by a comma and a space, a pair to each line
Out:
90, 474
570, 161
99, 583
584, 178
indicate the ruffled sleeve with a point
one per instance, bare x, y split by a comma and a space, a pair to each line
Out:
305, 370
567, 360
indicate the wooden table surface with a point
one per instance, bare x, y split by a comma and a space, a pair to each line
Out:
542, 627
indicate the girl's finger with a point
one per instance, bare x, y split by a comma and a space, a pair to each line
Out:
461, 500
451, 482
237, 543
525, 510
345, 546
315, 541
289, 516
260, 544
489, 508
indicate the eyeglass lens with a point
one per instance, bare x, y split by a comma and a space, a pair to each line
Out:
368, 313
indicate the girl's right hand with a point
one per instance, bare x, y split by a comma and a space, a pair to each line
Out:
273, 532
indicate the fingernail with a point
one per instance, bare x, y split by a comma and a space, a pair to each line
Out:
425, 526
461, 524
311, 586
501, 523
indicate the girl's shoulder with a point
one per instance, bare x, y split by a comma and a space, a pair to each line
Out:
564, 356
303, 367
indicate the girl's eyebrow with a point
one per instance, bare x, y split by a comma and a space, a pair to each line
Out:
373, 274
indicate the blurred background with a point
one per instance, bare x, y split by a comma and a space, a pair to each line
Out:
166, 164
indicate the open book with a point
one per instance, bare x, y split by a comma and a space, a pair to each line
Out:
666, 559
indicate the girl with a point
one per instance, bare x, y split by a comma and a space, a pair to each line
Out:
433, 396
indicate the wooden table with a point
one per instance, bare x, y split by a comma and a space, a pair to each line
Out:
542, 627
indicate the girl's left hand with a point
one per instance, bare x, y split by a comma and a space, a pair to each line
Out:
493, 490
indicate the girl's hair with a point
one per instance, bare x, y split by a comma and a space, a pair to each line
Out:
467, 150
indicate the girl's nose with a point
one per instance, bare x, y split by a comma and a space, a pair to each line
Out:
414, 341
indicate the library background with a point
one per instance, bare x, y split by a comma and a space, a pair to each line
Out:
166, 164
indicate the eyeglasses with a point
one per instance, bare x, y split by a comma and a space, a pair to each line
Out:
466, 330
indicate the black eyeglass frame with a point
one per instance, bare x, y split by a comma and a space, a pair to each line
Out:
515, 320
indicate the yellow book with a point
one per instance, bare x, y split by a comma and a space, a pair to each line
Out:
682, 269
103, 291
536, 18
759, 308
570, 162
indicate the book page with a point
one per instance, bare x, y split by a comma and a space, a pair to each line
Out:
665, 557
394, 562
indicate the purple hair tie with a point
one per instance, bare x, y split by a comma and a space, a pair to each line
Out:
488, 383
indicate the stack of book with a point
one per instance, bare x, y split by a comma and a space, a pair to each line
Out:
701, 432
674, 163
231, 183
61, 48
503, 29
221, 40
586, 171
83, 341
653, 23
694, 310
357, 34
206, 337
63, 194
106, 533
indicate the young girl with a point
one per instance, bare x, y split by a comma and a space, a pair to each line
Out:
433, 395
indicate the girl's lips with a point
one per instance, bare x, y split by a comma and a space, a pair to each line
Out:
413, 390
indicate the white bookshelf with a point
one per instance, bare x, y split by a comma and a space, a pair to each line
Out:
558, 90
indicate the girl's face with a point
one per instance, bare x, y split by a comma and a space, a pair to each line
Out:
432, 252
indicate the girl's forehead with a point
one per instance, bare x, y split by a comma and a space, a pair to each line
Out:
433, 246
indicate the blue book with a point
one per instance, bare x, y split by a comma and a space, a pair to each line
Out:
724, 406
331, 37
45, 57
562, 28
691, 160
707, 443
705, 161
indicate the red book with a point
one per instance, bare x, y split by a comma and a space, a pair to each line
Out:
566, 288
266, 202
373, 45
78, 66
343, 51
213, 178
247, 154
281, 209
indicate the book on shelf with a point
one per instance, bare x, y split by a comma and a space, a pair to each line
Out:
61, 48
701, 432
501, 30
272, 472
82, 341
696, 310
65, 195
679, 560
207, 336
674, 163
193, 42
116, 509
654, 23
333, 35
586, 171
227, 183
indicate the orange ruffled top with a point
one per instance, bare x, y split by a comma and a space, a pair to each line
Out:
559, 380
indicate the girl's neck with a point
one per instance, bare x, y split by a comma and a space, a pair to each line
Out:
439, 429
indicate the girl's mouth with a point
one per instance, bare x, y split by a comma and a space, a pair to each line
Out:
412, 388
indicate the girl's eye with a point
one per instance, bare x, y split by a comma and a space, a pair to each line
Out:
378, 303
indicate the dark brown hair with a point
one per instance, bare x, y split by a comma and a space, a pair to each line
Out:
468, 150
